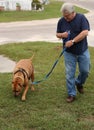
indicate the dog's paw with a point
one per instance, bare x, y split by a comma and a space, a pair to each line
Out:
23, 99
32, 89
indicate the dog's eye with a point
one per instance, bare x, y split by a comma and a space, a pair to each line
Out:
15, 91
19, 84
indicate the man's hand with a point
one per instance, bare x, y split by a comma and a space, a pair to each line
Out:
68, 43
65, 35
62, 35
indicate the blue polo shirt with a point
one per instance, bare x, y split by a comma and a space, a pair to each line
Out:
76, 26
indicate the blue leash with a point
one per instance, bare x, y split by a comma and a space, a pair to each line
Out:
46, 77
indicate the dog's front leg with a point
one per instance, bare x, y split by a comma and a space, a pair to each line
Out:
24, 93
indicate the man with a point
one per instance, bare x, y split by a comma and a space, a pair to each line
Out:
73, 29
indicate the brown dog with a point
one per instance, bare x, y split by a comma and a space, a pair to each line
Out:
23, 72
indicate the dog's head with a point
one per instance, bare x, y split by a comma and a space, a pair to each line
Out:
17, 85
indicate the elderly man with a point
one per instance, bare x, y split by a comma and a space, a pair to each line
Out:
73, 29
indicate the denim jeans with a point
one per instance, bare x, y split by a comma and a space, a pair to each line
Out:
71, 61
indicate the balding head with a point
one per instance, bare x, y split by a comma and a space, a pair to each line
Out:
67, 8
68, 11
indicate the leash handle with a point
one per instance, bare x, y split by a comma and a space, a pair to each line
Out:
68, 38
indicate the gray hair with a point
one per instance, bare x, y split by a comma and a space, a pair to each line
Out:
67, 8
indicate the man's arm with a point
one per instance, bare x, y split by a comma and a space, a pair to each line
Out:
81, 36
77, 39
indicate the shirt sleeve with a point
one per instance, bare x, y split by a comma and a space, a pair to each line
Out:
59, 27
85, 23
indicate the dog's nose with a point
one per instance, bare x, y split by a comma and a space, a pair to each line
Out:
15, 95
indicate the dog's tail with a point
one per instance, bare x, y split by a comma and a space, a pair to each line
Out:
32, 57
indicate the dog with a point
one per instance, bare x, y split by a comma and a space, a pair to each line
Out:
22, 73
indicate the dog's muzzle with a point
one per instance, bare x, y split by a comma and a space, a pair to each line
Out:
16, 93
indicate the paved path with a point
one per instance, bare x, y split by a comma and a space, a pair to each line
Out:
39, 30
6, 65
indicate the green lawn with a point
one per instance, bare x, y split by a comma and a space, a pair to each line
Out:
52, 10
46, 108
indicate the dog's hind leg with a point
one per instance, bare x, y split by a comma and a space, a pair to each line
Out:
32, 79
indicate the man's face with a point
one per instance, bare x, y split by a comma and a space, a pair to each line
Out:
68, 16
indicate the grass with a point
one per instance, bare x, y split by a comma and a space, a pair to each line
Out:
46, 108
52, 10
